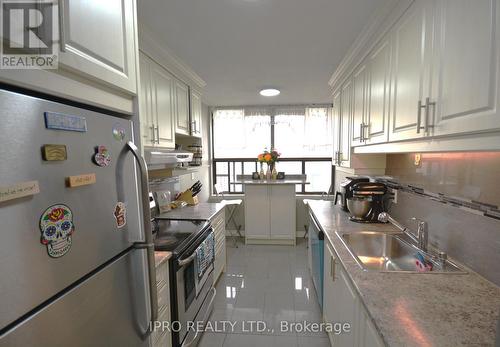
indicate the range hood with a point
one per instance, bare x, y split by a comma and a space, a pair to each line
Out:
160, 158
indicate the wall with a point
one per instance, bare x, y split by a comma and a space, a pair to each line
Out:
457, 195
473, 176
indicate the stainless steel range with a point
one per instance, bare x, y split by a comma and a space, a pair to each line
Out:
192, 292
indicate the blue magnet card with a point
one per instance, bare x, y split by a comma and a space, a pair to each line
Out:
59, 121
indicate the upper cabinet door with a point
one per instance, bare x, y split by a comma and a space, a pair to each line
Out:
467, 96
336, 127
359, 103
98, 41
182, 108
345, 124
412, 37
377, 114
146, 103
163, 94
196, 124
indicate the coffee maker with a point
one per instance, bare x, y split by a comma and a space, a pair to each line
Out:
366, 201
345, 190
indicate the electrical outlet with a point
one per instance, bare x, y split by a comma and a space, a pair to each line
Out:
395, 192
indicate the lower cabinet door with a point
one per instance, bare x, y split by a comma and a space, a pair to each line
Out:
282, 217
257, 212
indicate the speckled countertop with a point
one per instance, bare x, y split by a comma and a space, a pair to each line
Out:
161, 257
416, 309
202, 211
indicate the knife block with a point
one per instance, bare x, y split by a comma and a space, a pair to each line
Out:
188, 197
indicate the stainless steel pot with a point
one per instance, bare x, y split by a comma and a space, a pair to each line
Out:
359, 207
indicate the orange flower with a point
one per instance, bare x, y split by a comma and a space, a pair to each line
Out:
260, 156
267, 157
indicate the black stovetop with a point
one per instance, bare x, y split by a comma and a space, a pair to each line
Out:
176, 235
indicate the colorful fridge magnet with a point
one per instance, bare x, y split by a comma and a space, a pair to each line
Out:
102, 157
120, 214
118, 133
56, 226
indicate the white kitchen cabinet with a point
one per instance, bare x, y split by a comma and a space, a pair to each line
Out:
196, 125
345, 124
467, 60
182, 125
163, 106
336, 127
359, 81
218, 223
156, 107
98, 41
270, 213
376, 121
411, 78
160, 337
341, 304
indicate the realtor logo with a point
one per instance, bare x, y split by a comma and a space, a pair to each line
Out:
28, 34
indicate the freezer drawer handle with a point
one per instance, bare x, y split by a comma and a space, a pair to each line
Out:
148, 231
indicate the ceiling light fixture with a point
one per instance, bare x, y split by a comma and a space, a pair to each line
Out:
269, 92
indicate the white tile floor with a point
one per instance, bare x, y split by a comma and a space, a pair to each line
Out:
269, 284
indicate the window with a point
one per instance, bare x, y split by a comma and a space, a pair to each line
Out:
303, 135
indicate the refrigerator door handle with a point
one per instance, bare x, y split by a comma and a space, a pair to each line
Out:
148, 232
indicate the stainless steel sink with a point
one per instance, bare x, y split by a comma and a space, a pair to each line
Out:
389, 252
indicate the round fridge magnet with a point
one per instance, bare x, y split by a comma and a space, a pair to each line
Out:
56, 226
120, 214
118, 133
102, 157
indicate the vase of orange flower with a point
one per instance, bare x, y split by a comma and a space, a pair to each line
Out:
270, 158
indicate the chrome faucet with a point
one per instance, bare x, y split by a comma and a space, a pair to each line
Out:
422, 236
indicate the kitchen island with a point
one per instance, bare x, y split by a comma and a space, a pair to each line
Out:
270, 210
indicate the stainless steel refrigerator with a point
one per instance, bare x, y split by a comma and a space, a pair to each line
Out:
75, 266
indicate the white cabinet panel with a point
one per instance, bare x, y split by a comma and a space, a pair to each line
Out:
182, 108
345, 123
196, 124
145, 103
467, 95
412, 37
377, 115
162, 90
359, 105
257, 212
336, 127
98, 40
282, 214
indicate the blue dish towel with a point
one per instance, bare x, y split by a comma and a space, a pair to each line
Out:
205, 255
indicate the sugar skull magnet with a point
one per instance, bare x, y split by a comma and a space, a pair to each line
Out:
56, 226
102, 157
120, 214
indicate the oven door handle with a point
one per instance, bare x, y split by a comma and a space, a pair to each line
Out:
188, 260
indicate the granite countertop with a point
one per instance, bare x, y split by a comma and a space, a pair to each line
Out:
285, 181
416, 309
161, 257
202, 211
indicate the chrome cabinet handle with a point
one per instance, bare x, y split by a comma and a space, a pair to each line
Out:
148, 244
153, 140
428, 104
419, 116
332, 268
361, 135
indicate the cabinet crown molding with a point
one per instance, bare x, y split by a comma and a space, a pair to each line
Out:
152, 46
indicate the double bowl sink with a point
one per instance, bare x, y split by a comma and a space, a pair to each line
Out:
391, 252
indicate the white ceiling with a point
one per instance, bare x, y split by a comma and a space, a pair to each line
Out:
241, 46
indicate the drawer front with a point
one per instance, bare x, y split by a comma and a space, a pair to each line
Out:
218, 220
163, 297
162, 275
164, 340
